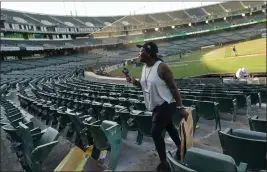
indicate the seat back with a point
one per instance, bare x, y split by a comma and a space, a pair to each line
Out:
124, 115
256, 124
5, 121
203, 160
114, 100
97, 107
111, 112
237, 144
28, 146
144, 121
140, 106
247, 134
225, 104
14, 117
100, 140
75, 121
12, 132
206, 109
188, 102
240, 99
177, 166
50, 135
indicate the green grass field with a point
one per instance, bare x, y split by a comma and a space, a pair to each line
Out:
251, 55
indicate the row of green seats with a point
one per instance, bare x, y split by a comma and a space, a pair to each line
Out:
31, 145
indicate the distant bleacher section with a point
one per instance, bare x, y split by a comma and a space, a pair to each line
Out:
192, 28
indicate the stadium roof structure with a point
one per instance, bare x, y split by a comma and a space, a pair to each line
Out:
56, 20
179, 17
107, 23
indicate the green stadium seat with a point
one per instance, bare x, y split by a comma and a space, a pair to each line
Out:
245, 146
227, 105
104, 99
140, 105
209, 111
82, 138
12, 112
114, 100
107, 136
124, 102
13, 117
15, 123
132, 103
87, 107
200, 160
124, 94
141, 97
15, 138
35, 152
257, 124
97, 107
133, 96
12, 133
240, 99
107, 113
254, 97
189, 102
143, 120
128, 124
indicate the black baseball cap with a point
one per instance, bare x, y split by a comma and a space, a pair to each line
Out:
150, 47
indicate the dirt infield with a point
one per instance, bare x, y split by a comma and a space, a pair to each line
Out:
262, 52
247, 55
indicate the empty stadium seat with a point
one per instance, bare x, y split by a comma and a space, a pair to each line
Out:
128, 124
107, 136
257, 124
245, 146
143, 121
200, 160
36, 151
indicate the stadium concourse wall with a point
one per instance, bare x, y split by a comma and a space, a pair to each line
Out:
258, 78
197, 32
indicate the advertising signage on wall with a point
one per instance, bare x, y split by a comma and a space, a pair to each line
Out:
196, 32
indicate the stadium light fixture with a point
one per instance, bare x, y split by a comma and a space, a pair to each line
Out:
189, 24
156, 29
263, 10
207, 21
173, 27
224, 18
243, 14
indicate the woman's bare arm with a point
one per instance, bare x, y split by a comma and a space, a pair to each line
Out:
165, 74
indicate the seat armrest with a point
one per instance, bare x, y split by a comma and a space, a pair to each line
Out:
41, 152
175, 166
242, 167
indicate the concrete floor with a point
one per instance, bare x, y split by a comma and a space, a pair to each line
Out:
133, 157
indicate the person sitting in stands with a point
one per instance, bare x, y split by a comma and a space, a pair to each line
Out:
241, 73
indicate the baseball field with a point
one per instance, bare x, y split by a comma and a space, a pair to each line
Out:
216, 60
